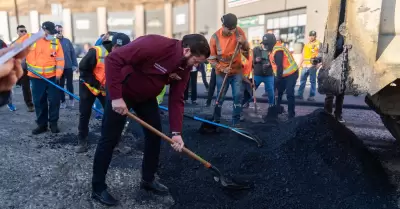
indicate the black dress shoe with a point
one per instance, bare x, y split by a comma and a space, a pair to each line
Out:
154, 186
39, 130
105, 198
54, 129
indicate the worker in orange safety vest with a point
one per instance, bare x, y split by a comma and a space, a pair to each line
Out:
286, 72
222, 46
46, 58
93, 81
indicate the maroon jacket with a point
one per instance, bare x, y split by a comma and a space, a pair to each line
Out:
140, 70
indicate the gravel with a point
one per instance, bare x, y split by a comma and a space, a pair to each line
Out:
311, 161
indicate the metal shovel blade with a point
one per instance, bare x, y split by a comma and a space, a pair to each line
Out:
228, 183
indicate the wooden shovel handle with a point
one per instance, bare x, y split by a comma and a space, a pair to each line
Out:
226, 75
168, 139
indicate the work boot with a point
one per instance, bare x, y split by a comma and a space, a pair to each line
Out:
63, 105
340, 119
71, 103
298, 97
154, 186
82, 145
39, 130
104, 197
31, 109
122, 148
54, 128
311, 99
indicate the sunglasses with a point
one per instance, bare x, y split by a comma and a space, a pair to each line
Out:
22, 31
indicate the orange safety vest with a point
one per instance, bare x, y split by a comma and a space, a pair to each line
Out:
55, 56
289, 64
99, 70
310, 51
247, 64
225, 50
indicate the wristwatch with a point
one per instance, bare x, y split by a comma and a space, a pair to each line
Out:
176, 133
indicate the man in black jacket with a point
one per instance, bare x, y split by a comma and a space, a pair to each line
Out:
92, 77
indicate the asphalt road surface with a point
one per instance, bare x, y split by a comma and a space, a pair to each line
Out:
44, 171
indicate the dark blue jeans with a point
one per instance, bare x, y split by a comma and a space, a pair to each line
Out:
235, 81
42, 91
269, 84
288, 84
305, 72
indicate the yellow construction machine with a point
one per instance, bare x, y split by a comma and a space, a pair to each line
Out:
361, 55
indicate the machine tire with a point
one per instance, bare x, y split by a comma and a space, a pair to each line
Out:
393, 125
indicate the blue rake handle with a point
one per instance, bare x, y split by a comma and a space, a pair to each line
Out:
210, 122
62, 89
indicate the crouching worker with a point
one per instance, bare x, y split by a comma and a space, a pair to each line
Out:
136, 74
93, 80
286, 71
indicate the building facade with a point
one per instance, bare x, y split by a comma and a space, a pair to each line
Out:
289, 19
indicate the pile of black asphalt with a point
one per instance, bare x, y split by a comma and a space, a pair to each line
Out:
310, 161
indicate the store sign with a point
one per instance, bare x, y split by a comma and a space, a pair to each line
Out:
180, 19
235, 3
82, 24
120, 21
251, 21
155, 23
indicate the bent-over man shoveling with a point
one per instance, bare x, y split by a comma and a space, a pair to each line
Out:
136, 73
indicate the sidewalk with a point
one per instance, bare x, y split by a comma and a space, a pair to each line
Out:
351, 102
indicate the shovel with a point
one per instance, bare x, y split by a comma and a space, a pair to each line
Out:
241, 132
208, 127
255, 117
218, 177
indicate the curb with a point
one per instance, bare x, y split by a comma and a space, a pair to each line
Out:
298, 103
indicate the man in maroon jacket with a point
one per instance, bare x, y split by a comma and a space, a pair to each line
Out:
136, 73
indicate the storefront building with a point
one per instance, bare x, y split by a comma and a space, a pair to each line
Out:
290, 20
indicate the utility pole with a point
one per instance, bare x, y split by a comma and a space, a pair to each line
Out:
16, 11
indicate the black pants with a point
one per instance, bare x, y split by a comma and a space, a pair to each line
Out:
338, 104
112, 126
26, 89
67, 75
204, 77
193, 85
288, 84
85, 109
248, 93
211, 89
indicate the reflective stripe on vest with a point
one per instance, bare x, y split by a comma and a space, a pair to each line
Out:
219, 49
53, 43
101, 53
94, 91
42, 70
292, 63
99, 70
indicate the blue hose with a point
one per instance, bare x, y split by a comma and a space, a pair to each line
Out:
62, 89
